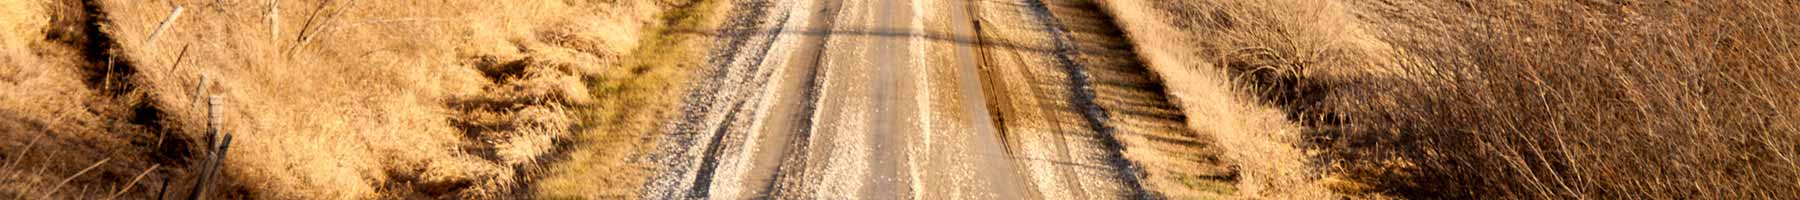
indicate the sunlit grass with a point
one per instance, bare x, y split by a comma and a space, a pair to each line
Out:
632, 100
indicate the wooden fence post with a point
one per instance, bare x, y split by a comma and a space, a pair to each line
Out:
212, 122
217, 147
170, 21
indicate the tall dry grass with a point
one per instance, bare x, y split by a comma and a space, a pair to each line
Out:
329, 99
1543, 99
1184, 43
53, 122
1504, 99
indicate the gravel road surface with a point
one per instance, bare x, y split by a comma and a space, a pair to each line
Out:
895, 99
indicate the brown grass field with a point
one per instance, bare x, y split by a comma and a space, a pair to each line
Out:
1534, 99
333, 99
1306, 99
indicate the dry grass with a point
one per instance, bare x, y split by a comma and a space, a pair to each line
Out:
54, 119
329, 99
1668, 100
1257, 137
1494, 99
632, 102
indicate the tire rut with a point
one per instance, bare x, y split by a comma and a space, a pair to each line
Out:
786, 173
673, 155
1066, 51
1065, 87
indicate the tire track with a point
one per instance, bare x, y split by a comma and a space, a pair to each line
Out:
680, 149
719, 135
773, 121
1055, 118
1065, 51
790, 175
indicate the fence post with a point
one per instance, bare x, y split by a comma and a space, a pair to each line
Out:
274, 16
212, 122
217, 147
170, 21
211, 169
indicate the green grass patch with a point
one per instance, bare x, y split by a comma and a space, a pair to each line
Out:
1207, 184
634, 99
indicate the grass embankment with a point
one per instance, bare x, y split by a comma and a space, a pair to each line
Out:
1257, 138
633, 101
1496, 99
328, 99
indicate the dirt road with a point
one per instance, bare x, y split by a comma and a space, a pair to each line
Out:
897, 99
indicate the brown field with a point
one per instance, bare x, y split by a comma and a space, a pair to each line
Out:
1491, 99
328, 99
1304, 99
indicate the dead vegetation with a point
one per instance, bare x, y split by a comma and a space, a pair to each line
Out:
1493, 99
1669, 100
328, 99
631, 103
1256, 137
